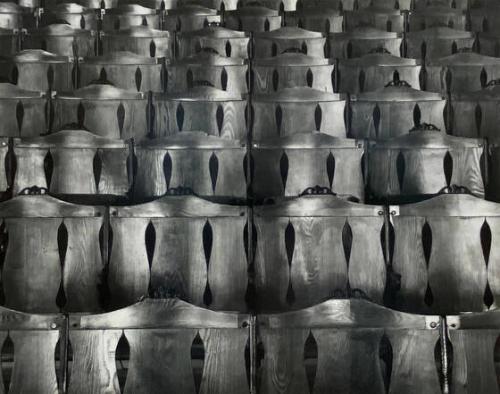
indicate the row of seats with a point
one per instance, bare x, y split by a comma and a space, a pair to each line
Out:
37, 70
432, 43
407, 168
111, 112
155, 345
436, 256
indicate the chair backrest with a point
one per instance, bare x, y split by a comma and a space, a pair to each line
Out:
375, 70
289, 40
202, 108
190, 18
170, 344
422, 163
180, 245
461, 73
379, 18
125, 70
61, 39
362, 41
320, 19
223, 41
30, 343
142, 40
445, 250
130, 15
473, 341
253, 19
52, 161
474, 114
436, 42
105, 110
287, 166
37, 70
315, 247
23, 112
437, 16
393, 111
52, 255
75, 15
210, 166
290, 70
292, 110
206, 68
322, 349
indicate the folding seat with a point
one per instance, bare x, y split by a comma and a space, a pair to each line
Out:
253, 19
190, 17
202, 108
180, 246
380, 18
437, 17
374, 70
417, 165
279, 5
37, 70
9, 41
461, 72
316, 247
130, 15
209, 166
52, 257
165, 345
142, 40
154, 4
393, 111
446, 253
13, 16
287, 166
436, 42
125, 70
326, 346
29, 349
289, 39
289, 70
320, 19
72, 164
104, 110
294, 110
75, 15
220, 40
207, 68
362, 41
61, 39
23, 112
475, 114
